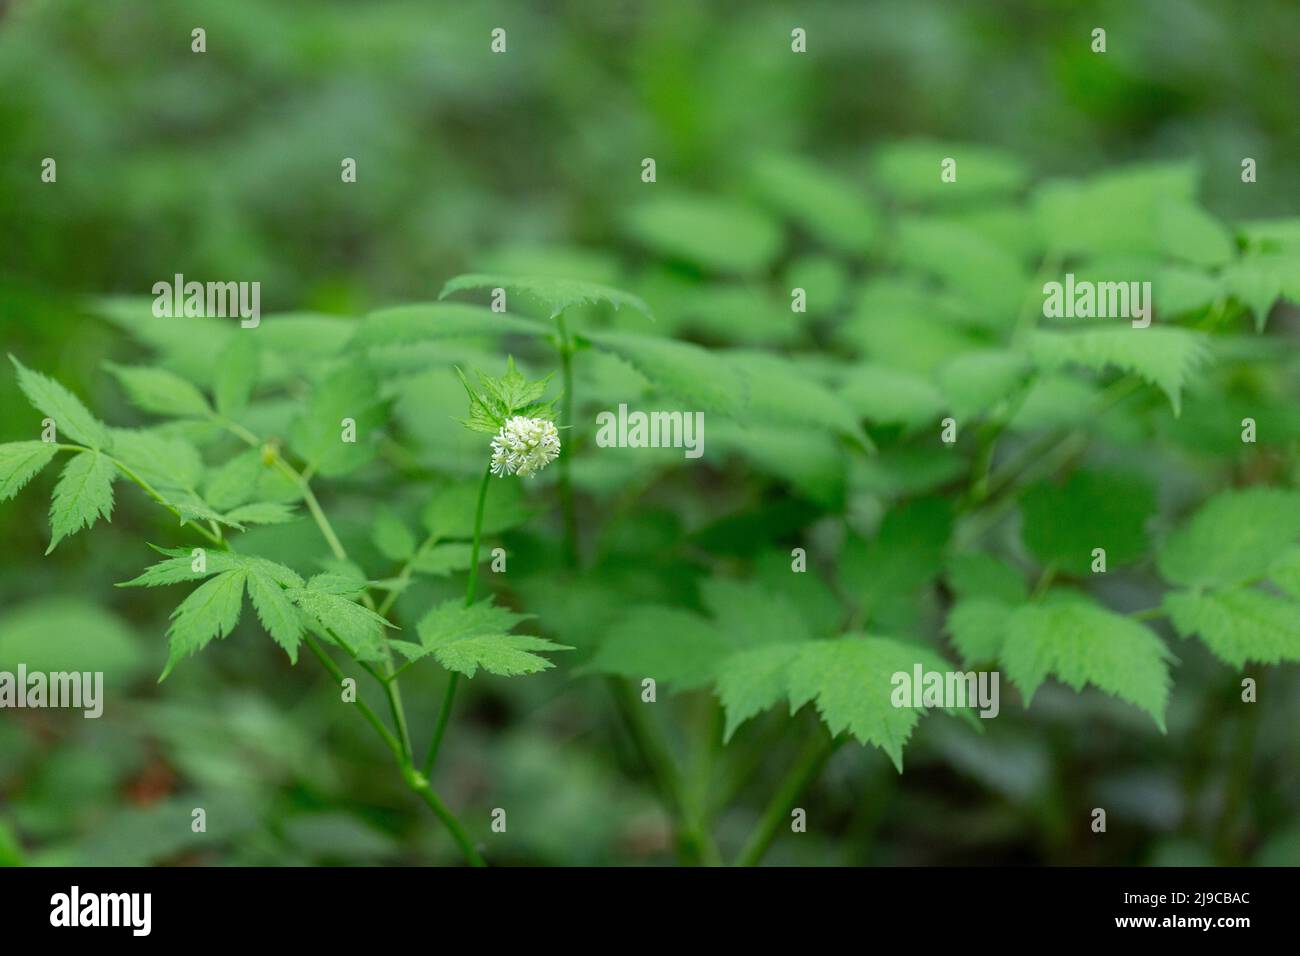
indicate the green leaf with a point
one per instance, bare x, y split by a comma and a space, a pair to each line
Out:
779, 392
161, 392
442, 559
260, 512
890, 396
19, 462
1092, 509
70, 416
276, 612
179, 567
463, 639
1164, 357
974, 382
555, 295
910, 171
394, 540
978, 627
360, 629
437, 321
716, 234
169, 463
1256, 282
238, 367
349, 392
704, 380
828, 207
752, 681
1233, 538
1186, 232
991, 278
974, 574
748, 613
211, 611
1285, 572
1239, 624
675, 647
850, 681
235, 482
83, 495
1082, 643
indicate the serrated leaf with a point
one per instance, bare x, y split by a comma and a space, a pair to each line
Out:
463, 639
161, 392
436, 321
828, 207
1187, 232
1082, 643
720, 235
1239, 624
83, 495
779, 392
360, 629
70, 416
179, 567
235, 482
752, 681
1256, 282
261, 512
19, 463
168, 462
850, 682
1164, 357
748, 613
556, 295
211, 611
276, 612
978, 627
238, 367
1233, 538
704, 380
1092, 509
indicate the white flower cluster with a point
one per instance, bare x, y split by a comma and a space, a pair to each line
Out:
524, 446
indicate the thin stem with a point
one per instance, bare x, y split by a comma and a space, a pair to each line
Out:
418, 783
449, 696
360, 704
444, 715
804, 771
696, 842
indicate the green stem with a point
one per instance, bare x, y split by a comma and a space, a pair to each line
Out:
804, 771
448, 697
418, 783
695, 840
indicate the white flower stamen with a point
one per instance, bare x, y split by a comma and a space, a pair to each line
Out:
524, 446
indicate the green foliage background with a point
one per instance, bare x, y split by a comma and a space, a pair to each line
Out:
774, 170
